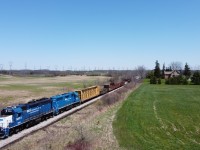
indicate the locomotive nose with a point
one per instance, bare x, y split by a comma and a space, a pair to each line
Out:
1, 133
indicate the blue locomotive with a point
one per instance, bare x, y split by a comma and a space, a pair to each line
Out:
15, 118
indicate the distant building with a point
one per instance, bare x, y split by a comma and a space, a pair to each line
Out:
170, 74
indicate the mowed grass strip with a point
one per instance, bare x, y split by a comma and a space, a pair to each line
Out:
160, 117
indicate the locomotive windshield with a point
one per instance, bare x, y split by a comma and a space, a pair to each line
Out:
1, 124
6, 112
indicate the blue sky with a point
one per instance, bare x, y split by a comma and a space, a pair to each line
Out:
98, 33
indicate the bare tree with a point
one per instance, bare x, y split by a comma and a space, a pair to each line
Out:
176, 65
141, 71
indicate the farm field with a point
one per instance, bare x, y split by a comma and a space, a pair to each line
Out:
15, 90
160, 117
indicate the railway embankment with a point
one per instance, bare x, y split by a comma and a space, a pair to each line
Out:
89, 127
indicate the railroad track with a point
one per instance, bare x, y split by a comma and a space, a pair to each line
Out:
16, 137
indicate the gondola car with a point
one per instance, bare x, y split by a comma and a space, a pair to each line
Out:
88, 93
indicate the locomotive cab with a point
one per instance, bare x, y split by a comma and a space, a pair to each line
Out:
5, 119
10, 117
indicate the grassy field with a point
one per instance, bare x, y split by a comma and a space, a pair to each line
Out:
22, 89
160, 117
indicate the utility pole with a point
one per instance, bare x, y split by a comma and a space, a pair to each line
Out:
1, 67
10, 64
25, 65
56, 67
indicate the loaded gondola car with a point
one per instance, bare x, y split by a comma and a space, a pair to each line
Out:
88, 93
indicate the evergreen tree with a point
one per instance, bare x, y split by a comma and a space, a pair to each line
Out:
163, 71
187, 71
159, 81
150, 74
153, 80
196, 78
185, 81
157, 70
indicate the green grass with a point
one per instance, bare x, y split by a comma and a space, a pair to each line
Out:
160, 117
13, 87
3, 78
64, 84
34, 89
39, 87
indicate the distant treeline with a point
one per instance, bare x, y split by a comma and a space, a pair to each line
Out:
50, 73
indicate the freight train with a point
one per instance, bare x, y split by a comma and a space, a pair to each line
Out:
16, 118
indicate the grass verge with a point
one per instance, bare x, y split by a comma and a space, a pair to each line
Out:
160, 117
